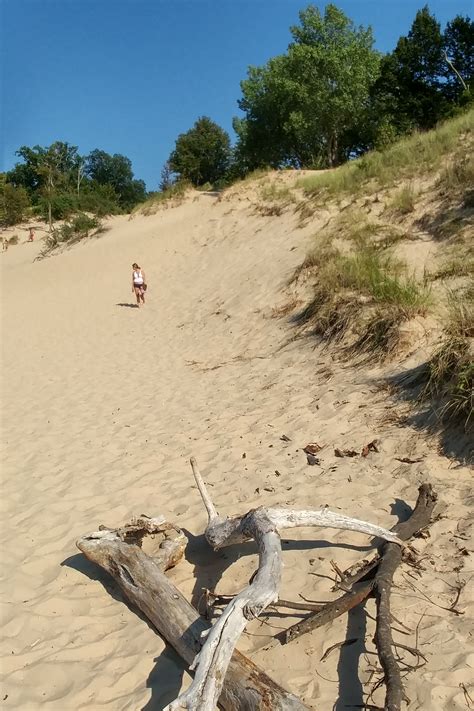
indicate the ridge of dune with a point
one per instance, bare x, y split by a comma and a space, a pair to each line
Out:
104, 404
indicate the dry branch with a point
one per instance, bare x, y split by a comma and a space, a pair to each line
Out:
391, 559
381, 569
144, 583
329, 612
418, 520
262, 525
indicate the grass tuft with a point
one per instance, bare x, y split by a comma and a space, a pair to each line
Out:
457, 178
404, 200
461, 313
381, 335
450, 382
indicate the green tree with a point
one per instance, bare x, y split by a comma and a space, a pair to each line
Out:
309, 106
459, 55
166, 178
31, 174
14, 202
263, 138
102, 200
412, 91
116, 171
201, 155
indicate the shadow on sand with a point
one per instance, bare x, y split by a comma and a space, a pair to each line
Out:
128, 306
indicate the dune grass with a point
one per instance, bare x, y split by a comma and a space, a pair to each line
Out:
271, 192
365, 294
404, 200
79, 227
445, 383
450, 382
457, 178
460, 321
408, 157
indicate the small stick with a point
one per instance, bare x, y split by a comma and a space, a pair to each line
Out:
329, 612
207, 501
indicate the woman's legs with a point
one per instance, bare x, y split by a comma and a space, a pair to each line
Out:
137, 294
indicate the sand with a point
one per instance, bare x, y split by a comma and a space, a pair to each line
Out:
102, 406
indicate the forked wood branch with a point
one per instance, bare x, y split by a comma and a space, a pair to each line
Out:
263, 525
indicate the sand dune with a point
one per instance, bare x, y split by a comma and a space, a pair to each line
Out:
104, 404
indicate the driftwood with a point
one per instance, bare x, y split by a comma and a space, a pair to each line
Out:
144, 583
418, 520
263, 525
379, 571
222, 674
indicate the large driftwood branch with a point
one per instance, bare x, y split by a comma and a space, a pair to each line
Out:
262, 525
142, 580
383, 630
391, 559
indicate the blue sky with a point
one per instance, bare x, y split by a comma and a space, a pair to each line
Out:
127, 76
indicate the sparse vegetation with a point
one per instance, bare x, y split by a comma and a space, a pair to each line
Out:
79, 227
380, 335
444, 385
271, 192
404, 200
460, 323
459, 265
174, 194
411, 156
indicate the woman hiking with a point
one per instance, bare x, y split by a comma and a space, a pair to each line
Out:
138, 283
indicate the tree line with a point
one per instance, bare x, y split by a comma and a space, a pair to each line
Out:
330, 97
56, 182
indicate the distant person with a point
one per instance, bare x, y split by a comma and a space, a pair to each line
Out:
31, 237
139, 285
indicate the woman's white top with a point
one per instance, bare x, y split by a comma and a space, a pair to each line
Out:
137, 278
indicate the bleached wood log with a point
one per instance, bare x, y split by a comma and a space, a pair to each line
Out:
261, 524
142, 580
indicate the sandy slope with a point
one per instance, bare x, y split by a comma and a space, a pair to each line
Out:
103, 404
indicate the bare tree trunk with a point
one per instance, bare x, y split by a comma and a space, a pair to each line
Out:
451, 65
50, 192
80, 175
